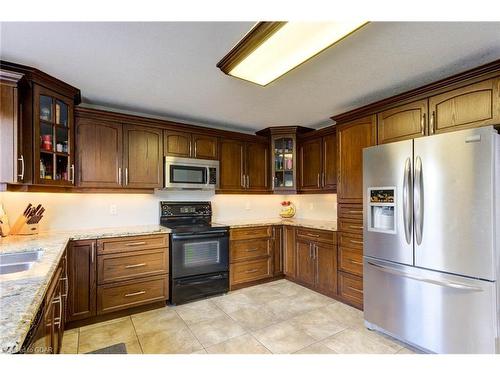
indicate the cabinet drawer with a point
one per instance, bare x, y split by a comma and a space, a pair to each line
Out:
351, 211
125, 244
250, 271
352, 241
351, 289
351, 261
123, 266
126, 294
351, 226
242, 250
250, 233
316, 235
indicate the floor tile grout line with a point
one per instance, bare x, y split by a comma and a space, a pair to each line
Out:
136, 335
190, 330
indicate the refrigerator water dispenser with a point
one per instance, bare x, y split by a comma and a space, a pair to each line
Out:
382, 209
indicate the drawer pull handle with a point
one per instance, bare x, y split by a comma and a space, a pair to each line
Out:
135, 293
252, 271
356, 289
312, 235
135, 265
355, 262
355, 212
136, 243
355, 227
250, 250
358, 242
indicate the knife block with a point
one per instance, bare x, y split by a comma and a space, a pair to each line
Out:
28, 229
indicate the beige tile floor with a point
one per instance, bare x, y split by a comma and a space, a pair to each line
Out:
272, 318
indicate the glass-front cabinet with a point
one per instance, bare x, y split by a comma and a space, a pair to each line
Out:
284, 169
54, 138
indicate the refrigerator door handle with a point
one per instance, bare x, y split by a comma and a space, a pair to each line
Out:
418, 200
407, 207
444, 283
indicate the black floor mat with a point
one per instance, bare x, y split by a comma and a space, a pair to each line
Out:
113, 349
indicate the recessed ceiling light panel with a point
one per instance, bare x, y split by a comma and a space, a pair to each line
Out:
272, 49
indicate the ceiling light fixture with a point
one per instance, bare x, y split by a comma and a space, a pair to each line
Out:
271, 49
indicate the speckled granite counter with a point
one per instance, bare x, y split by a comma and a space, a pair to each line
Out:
22, 293
305, 223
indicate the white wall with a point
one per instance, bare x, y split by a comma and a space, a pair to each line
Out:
73, 211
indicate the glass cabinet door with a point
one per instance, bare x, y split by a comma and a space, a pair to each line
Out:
54, 163
284, 161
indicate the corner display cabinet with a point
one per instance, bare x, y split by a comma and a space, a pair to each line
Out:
47, 152
283, 143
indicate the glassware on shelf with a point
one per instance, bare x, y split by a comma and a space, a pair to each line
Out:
45, 108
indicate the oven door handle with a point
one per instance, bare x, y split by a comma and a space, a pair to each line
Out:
199, 235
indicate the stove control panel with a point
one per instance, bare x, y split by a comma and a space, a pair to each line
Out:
185, 209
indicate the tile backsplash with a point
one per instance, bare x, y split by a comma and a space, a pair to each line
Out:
73, 211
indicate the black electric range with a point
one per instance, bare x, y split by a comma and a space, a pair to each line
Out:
199, 251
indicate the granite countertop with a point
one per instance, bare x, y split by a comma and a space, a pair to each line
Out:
22, 293
305, 223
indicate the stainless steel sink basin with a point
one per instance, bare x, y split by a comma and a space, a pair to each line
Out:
22, 257
18, 262
17, 267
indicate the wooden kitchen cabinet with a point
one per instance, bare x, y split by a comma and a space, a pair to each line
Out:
318, 164
289, 251
471, 106
257, 166
142, 157
45, 137
403, 122
243, 166
278, 250
82, 263
306, 266
190, 145
100, 153
12, 163
251, 255
352, 138
316, 259
310, 164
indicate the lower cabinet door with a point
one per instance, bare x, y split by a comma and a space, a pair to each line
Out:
289, 251
326, 268
82, 262
126, 294
305, 272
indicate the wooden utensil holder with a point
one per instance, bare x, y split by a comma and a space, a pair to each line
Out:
27, 229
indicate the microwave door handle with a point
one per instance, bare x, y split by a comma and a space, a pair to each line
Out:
208, 176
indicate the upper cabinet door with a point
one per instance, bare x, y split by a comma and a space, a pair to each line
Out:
353, 137
231, 171
204, 147
329, 177
99, 146
467, 107
142, 157
404, 122
54, 138
310, 164
257, 166
177, 144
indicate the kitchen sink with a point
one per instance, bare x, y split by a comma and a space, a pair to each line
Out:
13, 268
18, 262
22, 257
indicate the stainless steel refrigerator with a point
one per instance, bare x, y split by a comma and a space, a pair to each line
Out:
432, 241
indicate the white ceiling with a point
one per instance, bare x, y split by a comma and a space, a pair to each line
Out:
168, 69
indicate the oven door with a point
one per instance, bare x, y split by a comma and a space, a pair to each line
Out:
199, 254
186, 173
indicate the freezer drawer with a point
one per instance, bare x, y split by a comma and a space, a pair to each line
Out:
438, 312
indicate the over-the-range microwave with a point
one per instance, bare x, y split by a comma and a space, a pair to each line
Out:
188, 173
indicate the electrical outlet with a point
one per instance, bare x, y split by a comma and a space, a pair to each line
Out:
112, 209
